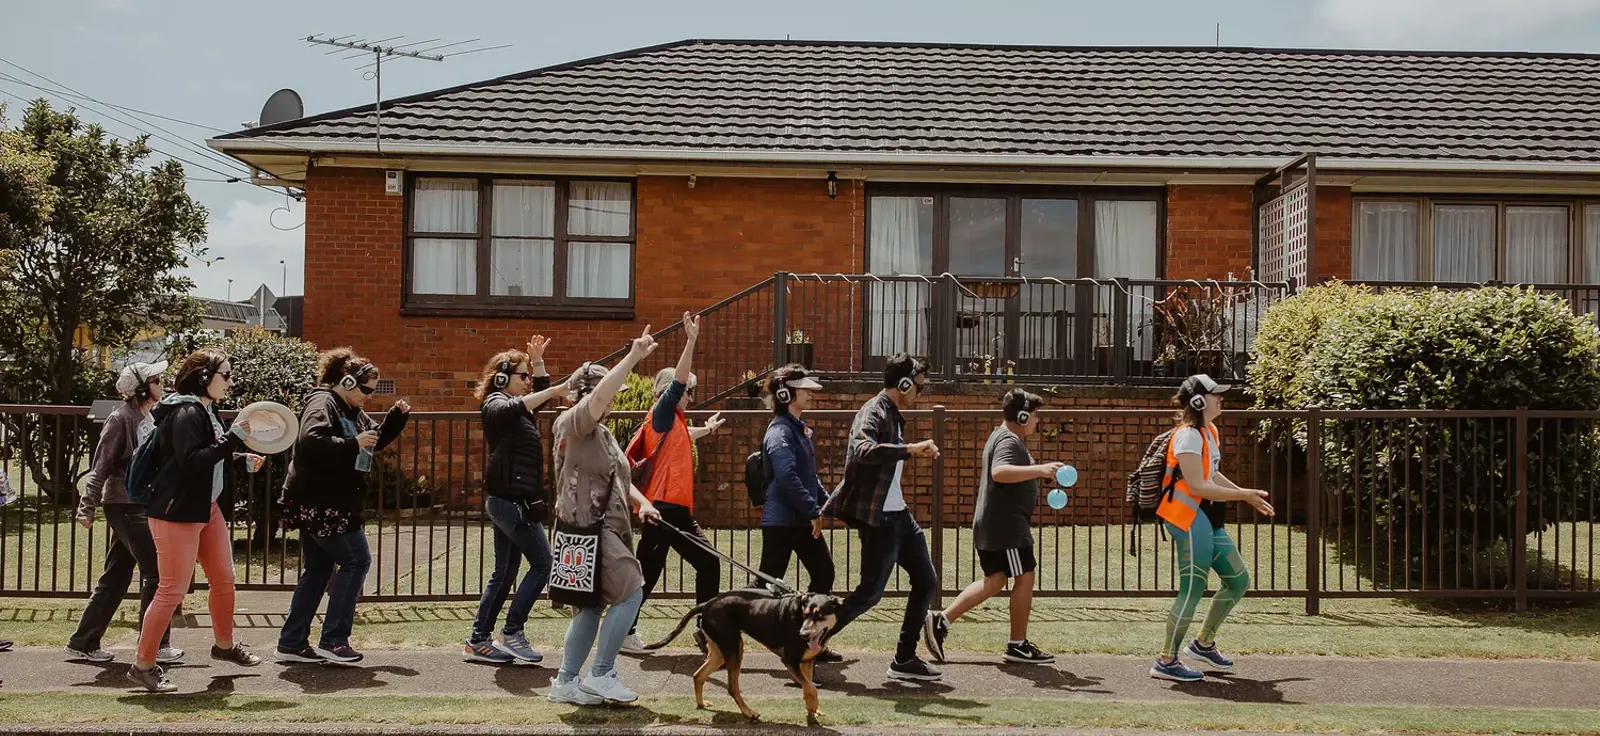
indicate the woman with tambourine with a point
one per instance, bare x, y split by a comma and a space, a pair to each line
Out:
323, 497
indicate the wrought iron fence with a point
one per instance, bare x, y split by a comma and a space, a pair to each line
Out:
1401, 504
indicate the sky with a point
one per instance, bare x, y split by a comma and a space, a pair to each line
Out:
213, 64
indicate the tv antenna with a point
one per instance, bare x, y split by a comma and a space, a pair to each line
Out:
378, 50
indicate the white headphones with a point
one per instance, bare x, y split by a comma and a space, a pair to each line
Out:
351, 381
906, 384
1023, 416
1197, 402
783, 394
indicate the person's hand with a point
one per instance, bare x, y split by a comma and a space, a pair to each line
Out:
816, 528
86, 521
403, 405
1258, 501
1048, 470
243, 423
560, 390
925, 448
642, 346
367, 439
691, 326
648, 513
536, 347
715, 422
253, 462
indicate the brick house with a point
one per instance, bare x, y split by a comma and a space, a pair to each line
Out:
588, 199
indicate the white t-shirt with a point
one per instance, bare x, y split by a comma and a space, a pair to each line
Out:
895, 500
1188, 441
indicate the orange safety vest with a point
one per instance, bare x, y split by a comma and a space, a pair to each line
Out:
1180, 506
672, 476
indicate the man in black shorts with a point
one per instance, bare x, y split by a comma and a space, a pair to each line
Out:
1007, 494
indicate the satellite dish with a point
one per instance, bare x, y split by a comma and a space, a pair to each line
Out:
282, 106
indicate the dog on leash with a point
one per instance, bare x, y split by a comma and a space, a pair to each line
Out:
795, 626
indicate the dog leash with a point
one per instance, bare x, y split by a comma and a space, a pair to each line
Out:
700, 542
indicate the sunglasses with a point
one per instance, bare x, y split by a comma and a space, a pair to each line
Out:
524, 375
367, 390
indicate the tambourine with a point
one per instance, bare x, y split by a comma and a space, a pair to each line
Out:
273, 427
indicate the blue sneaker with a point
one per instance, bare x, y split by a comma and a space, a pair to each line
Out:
1210, 654
1176, 672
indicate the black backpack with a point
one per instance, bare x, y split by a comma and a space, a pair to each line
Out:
143, 467
757, 475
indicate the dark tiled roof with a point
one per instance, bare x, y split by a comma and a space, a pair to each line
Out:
794, 97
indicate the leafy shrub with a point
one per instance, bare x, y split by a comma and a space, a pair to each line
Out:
267, 367
1341, 348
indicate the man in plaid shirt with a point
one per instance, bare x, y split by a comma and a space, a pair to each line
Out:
872, 500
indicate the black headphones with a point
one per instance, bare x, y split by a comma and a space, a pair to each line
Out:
582, 374
1023, 416
206, 372
783, 394
502, 374
351, 381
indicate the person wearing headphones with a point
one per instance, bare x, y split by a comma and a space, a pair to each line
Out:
1194, 512
872, 499
1008, 492
190, 490
107, 488
666, 442
323, 497
515, 385
791, 520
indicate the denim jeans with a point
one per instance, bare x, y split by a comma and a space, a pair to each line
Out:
898, 541
319, 554
130, 545
581, 635
514, 539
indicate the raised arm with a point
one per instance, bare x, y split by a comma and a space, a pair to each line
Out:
600, 399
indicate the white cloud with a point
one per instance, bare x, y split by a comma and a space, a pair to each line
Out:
250, 248
1416, 23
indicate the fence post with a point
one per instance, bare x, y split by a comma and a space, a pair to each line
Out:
1121, 352
1519, 533
780, 319
938, 505
1314, 500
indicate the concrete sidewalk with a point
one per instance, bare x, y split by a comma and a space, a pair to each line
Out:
1257, 679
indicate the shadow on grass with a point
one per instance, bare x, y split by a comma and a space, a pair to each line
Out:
212, 700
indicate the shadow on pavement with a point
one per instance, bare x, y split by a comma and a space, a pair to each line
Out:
1046, 677
212, 700
333, 678
1238, 689
522, 680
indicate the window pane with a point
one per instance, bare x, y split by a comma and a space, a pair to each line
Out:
522, 267
1385, 241
598, 270
600, 208
1463, 242
1125, 235
1591, 244
900, 243
440, 266
1049, 248
524, 209
445, 206
977, 237
1536, 245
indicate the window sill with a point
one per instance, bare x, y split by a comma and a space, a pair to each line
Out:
529, 311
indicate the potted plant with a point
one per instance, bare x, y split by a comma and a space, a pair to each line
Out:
1166, 364
800, 349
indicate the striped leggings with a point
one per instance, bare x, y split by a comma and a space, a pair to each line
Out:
1201, 550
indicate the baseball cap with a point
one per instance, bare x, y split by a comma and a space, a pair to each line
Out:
1200, 384
138, 374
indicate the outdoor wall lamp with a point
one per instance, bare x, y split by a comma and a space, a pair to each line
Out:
691, 181
833, 184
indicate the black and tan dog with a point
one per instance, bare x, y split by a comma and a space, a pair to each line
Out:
795, 626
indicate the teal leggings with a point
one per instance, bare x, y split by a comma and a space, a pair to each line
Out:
1201, 550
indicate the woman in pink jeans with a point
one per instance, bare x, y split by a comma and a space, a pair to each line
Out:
185, 518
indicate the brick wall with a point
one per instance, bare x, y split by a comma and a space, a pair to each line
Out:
1208, 231
695, 246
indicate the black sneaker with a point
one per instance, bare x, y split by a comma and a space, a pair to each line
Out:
828, 656
1027, 653
238, 655
934, 629
913, 669
342, 654
303, 655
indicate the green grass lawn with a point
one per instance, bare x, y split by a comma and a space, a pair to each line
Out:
890, 711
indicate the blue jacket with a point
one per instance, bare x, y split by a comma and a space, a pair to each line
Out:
795, 495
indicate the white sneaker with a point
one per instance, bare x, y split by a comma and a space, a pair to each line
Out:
573, 693
169, 655
634, 645
98, 655
609, 687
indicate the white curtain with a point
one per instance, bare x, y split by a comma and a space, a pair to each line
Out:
1386, 241
598, 270
1536, 244
1463, 242
1125, 239
445, 206
1591, 244
444, 266
522, 257
900, 243
600, 208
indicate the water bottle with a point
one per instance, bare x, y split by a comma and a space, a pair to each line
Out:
364, 459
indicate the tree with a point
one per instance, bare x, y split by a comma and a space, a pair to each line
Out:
94, 236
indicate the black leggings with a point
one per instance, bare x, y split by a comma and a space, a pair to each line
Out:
654, 543
779, 542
